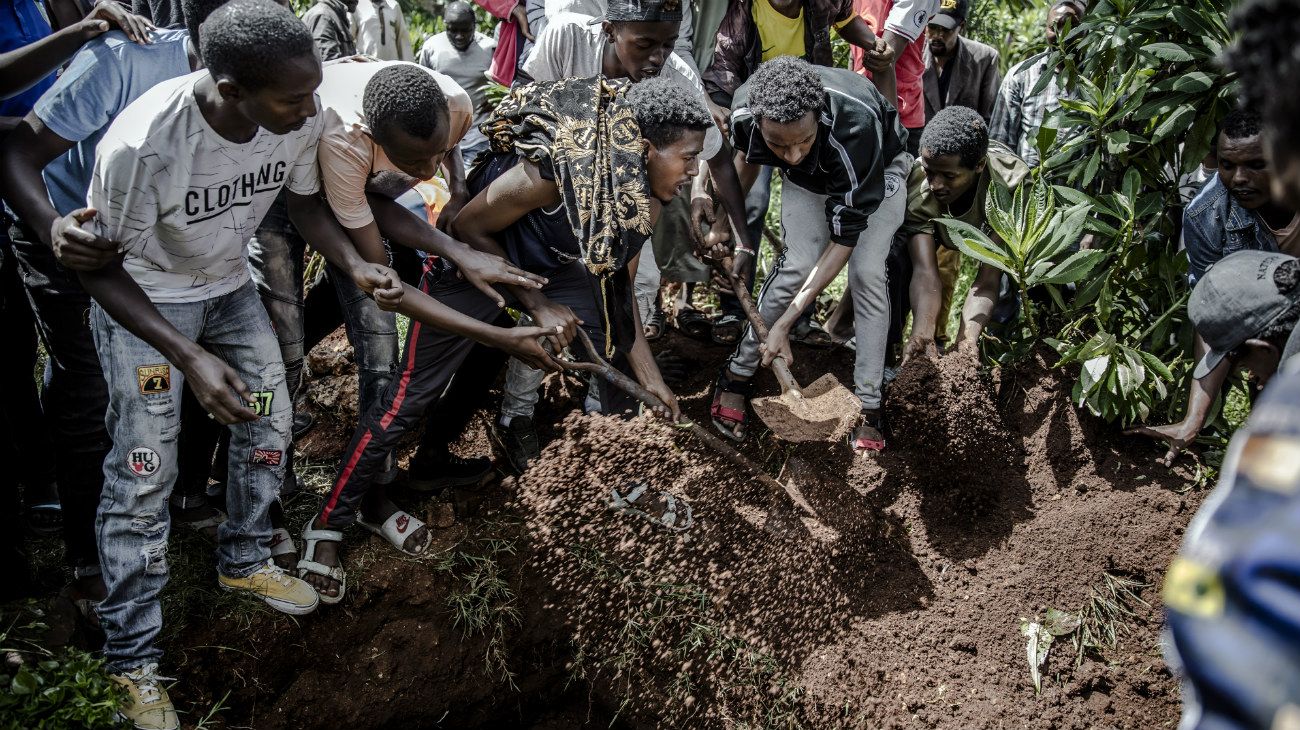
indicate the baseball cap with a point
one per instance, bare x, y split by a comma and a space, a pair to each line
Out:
1235, 300
952, 13
644, 11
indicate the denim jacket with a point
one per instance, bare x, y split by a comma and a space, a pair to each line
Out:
1215, 225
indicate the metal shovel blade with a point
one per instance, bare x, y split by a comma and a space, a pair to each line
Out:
826, 411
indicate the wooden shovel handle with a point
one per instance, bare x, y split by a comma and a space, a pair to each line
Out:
599, 366
779, 365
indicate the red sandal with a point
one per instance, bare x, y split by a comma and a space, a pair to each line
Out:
730, 420
875, 441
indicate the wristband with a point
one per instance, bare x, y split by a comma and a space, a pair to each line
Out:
750, 251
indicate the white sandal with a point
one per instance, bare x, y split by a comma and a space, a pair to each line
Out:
282, 543
308, 565
677, 515
396, 529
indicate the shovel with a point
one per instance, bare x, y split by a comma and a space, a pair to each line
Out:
824, 411
603, 369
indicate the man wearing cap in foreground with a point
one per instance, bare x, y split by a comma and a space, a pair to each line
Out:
959, 71
1231, 594
1244, 309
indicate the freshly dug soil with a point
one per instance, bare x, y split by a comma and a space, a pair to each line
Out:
995, 501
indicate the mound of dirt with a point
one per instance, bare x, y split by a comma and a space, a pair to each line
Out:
704, 623
996, 501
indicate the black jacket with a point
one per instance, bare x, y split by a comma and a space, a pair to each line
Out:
859, 134
974, 82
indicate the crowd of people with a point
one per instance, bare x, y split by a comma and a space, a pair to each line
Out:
168, 167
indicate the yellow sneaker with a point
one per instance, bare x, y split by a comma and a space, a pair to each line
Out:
280, 590
147, 705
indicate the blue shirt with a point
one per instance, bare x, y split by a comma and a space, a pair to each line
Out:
106, 75
21, 24
1215, 225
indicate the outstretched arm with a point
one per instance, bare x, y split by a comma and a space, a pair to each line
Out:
505, 200
828, 266
926, 293
319, 228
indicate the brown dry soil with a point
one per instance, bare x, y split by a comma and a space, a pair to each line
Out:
898, 608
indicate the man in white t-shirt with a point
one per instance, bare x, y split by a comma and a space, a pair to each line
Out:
465, 55
181, 179
379, 29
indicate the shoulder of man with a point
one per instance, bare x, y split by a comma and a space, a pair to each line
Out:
151, 115
1208, 198
1005, 166
980, 51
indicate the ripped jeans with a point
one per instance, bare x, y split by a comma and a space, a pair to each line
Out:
144, 420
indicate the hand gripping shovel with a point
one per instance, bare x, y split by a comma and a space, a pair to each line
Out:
824, 411
603, 369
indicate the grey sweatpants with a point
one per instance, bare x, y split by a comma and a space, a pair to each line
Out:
806, 233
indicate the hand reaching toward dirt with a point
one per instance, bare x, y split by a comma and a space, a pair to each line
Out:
1176, 435
918, 346
525, 343
485, 269
660, 390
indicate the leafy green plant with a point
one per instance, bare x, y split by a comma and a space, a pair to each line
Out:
1142, 100
46, 688
1031, 239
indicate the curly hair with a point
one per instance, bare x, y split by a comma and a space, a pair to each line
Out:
665, 110
784, 89
1266, 57
195, 12
1240, 124
956, 130
403, 96
248, 41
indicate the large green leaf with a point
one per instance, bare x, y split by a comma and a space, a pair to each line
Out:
978, 246
1177, 122
1169, 52
1074, 268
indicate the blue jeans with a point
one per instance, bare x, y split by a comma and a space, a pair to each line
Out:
144, 420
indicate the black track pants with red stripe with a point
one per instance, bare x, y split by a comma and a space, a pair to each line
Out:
430, 360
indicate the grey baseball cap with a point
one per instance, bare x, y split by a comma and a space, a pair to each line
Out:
1234, 301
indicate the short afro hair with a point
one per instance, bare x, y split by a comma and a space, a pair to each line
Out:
1267, 60
784, 89
248, 41
403, 96
1240, 124
956, 130
665, 110
195, 12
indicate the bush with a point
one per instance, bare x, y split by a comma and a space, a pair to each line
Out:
65, 688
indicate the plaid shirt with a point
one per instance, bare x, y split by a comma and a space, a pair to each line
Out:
1019, 111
